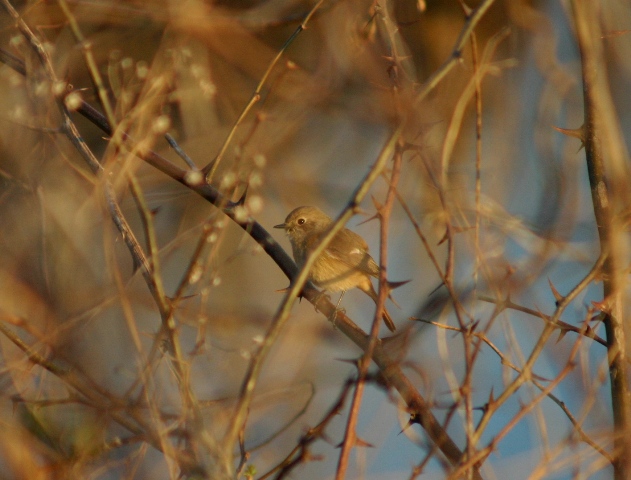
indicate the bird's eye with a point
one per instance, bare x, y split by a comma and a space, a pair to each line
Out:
301, 221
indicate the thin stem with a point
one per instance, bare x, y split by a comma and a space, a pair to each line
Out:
298, 283
604, 153
211, 168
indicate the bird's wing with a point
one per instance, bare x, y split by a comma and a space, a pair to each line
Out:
351, 249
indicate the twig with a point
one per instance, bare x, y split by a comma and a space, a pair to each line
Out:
210, 169
300, 452
391, 372
350, 436
607, 164
561, 325
536, 351
298, 282
505, 361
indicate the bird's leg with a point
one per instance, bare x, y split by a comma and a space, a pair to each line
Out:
338, 309
333, 316
337, 305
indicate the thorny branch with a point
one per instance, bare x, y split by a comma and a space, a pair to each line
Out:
195, 181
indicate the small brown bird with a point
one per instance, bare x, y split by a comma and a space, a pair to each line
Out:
344, 263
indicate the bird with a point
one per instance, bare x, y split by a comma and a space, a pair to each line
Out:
344, 264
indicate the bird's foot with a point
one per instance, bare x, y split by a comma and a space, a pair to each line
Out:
319, 297
333, 316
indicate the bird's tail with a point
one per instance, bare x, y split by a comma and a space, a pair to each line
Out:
387, 319
370, 291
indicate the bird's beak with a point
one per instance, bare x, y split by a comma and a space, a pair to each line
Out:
281, 225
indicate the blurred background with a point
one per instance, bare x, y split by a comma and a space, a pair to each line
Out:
69, 288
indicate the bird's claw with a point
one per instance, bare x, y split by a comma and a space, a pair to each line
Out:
319, 297
333, 316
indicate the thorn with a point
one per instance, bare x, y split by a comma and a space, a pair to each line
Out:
208, 168
357, 443
562, 333
393, 285
557, 296
362, 443
135, 266
419, 319
575, 132
596, 318
390, 295
184, 297
473, 326
414, 418
241, 201
603, 306
378, 206
370, 219
572, 132
540, 377
441, 284
352, 361
375, 216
